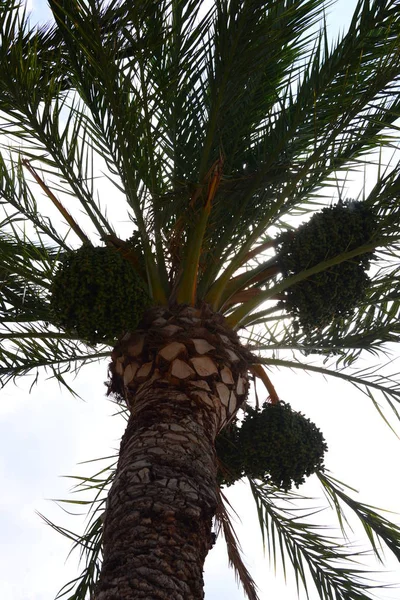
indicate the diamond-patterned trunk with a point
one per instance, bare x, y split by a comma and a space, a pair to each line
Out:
183, 374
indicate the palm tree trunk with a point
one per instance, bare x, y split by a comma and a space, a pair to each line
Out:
183, 376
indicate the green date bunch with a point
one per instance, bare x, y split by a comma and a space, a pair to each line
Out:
316, 301
97, 295
274, 444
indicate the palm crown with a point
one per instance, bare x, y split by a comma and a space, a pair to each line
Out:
218, 125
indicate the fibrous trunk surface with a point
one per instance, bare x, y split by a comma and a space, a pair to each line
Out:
183, 377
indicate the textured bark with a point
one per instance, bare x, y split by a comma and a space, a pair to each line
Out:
183, 375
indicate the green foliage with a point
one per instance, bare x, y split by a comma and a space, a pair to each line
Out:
275, 444
336, 291
97, 294
315, 555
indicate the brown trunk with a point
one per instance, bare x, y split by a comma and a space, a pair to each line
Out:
183, 375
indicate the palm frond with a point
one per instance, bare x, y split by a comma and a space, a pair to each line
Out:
29, 350
233, 547
334, 567
377, 528
368, 380
20, 205
83, 585
89, 543
253, 46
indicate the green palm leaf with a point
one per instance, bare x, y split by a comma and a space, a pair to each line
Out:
377, 527
333, 566
89, 543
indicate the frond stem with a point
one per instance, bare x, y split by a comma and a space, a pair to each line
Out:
290, 364
259, 371
67, 216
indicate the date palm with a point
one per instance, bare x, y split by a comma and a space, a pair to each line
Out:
215, 126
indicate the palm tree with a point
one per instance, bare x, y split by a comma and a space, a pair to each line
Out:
219, 126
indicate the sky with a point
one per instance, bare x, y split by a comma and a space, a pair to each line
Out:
45, 433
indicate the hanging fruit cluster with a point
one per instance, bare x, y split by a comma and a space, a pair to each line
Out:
97, 294
275, 444
335, 292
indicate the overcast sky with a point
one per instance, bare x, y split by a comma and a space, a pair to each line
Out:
45, 433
